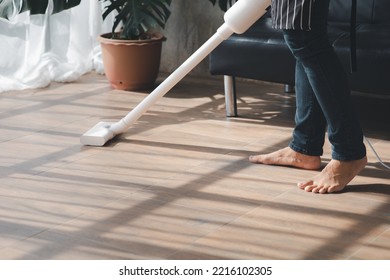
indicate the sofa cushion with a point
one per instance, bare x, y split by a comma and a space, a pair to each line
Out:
339, 11
381, 11
368, 11
373, 56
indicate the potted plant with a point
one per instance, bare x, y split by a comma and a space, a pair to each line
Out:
223, 4
132, 50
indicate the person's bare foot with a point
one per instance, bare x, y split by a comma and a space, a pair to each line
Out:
334, 177
288, 157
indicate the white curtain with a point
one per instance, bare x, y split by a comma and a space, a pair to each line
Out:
38, 49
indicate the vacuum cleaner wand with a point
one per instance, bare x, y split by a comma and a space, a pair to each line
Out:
238, 19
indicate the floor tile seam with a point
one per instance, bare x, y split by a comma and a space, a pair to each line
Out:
370, 242
189, 246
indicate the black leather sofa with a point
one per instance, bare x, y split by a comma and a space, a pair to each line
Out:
261, 53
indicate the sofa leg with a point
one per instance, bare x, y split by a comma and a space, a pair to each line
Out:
289, 88
230, 96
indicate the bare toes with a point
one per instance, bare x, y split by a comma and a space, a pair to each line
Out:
317, 190
309, 188
302, 185
323, 190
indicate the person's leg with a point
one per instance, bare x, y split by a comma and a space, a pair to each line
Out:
305, 148
329, 83
310, 124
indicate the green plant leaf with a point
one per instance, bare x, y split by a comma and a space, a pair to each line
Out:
10, 8
138, 17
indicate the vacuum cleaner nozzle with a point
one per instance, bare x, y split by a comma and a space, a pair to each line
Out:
98, 135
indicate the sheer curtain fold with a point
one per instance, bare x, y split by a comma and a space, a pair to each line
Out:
38, 49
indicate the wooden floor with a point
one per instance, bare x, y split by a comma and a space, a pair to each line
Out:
178, 185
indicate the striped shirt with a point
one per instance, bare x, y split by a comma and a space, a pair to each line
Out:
291, 14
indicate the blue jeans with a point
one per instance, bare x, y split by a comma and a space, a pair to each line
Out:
322, 93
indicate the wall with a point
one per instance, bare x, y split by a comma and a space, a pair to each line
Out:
192, 22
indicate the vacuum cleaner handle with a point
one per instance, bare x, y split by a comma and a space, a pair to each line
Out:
242, 15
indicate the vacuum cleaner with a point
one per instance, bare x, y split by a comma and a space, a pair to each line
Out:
242, 15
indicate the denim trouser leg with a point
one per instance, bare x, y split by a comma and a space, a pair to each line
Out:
323, 93
309, 132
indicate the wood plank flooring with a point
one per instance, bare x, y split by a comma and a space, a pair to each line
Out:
178, 184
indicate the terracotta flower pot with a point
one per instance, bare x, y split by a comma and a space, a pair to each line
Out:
131, 64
